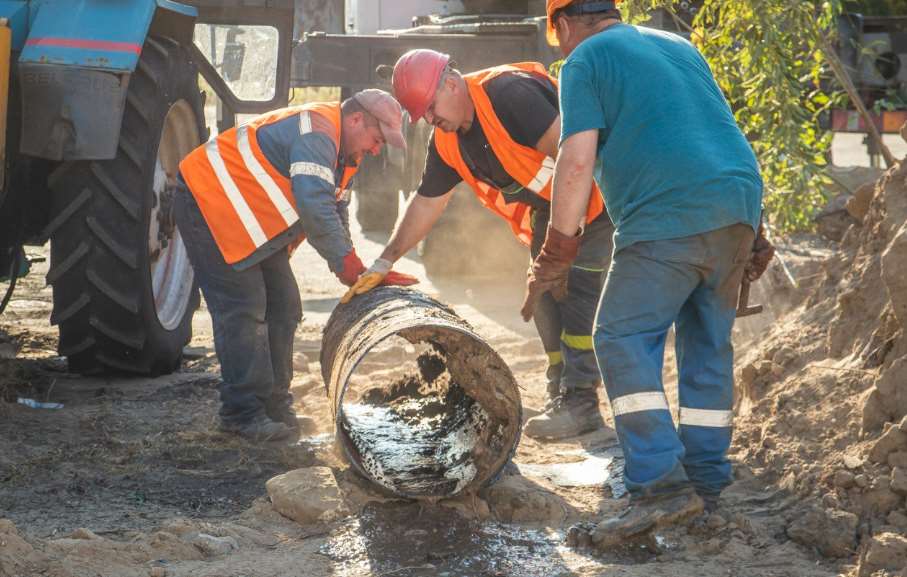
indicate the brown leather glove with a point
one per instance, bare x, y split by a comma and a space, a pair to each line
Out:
550, 270
763, 252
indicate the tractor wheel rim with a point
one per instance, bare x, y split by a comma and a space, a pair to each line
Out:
171, 272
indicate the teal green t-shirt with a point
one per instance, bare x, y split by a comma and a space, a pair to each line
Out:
672, 160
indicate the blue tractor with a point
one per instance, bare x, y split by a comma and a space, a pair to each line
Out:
99, 101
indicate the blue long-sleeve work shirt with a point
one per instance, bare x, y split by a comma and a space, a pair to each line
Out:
310, 161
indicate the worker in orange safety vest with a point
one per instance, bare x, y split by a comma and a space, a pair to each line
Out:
247, 199
497, 130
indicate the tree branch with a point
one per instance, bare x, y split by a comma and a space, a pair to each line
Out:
844, 78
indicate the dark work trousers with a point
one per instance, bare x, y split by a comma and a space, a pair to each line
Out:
255, 313
566, 327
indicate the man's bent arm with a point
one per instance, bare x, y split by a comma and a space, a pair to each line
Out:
573, 176
422, 212
547, 144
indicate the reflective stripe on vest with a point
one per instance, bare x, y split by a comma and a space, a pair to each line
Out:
543, 177
245, 200
527, 166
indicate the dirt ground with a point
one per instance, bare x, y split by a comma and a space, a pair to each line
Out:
131, 478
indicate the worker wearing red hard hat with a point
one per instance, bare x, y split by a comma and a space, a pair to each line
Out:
496, 130
683, 187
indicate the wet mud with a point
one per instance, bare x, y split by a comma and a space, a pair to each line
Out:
414, 541
419, 436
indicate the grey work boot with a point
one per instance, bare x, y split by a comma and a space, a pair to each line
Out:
283, 414
645, 516
569, 415
261, 429
712, 501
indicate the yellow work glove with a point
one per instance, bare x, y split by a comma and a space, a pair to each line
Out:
368, 280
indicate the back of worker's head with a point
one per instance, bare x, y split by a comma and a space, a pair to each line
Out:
572, 21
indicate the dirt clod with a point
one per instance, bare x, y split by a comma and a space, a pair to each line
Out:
853, 462
892, 440
858, 205
307, 495
212, 546
844, 479
83, 533
833, 533
886, 552
17, 556
898, 459
897, 519
516, 499
899, 480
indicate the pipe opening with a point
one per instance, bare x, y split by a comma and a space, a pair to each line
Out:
416, 434
444, 420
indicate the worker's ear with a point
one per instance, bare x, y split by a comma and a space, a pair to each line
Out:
357, 118
564, 27
450, 83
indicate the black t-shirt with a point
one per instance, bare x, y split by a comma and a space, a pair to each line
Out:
526, 106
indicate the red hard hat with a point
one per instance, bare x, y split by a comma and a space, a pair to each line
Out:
416, 77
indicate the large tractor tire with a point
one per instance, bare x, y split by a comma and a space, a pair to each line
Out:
124, 290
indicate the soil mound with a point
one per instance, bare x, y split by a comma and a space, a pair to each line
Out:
823, 397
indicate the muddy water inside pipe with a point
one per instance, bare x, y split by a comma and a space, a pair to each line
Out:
418, 435
445, 421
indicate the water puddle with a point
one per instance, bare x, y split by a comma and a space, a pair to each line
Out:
320, 440
407, 540
596, 469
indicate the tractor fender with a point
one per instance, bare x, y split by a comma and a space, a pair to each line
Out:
74, 69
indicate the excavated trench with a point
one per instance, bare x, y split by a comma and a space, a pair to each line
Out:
446, 424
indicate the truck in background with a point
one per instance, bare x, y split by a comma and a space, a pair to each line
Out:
874, 51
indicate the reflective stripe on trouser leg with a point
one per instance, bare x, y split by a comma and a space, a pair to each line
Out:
705, 358
643, 295
547, 320
577, 317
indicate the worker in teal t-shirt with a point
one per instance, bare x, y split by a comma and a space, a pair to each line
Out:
682, 186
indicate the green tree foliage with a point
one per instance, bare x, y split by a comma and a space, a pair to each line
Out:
766, 56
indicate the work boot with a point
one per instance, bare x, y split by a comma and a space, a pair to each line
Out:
568, 415
553, 378
645, 516
259, 429
711, 501
283, 414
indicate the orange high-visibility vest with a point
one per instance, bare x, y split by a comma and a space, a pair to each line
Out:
527, 166
244, 199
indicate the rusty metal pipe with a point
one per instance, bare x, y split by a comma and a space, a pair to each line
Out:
484, 418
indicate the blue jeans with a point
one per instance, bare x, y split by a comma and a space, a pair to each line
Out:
255, 313
692, 283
